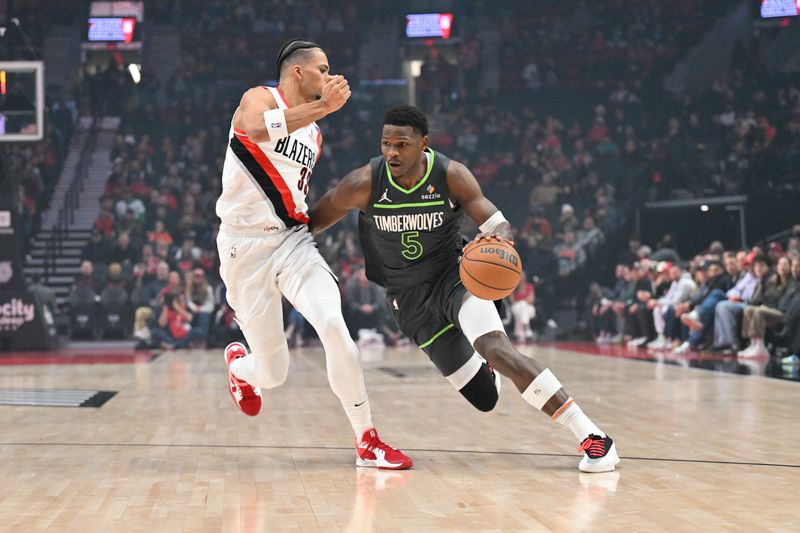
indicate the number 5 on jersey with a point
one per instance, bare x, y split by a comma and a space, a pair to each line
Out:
413, 247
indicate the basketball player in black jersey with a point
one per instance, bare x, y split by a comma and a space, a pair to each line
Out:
411, 201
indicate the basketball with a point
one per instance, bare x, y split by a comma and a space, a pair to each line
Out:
490, 268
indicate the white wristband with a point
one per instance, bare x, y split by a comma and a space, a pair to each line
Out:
492, 222
275, 120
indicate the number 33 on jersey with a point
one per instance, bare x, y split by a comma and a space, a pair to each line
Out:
277, 176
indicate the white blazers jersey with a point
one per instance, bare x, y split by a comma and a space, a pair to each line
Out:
265, 184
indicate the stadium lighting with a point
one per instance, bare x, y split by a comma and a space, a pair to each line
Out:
136, 72
704, 208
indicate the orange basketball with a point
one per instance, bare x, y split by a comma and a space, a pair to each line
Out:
490, 268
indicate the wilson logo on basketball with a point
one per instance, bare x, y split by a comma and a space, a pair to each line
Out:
511, 258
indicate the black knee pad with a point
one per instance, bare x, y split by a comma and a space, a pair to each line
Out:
481, 391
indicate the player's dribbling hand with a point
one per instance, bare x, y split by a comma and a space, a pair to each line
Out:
335, 92
489, 236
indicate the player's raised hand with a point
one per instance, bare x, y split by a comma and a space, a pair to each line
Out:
335, 92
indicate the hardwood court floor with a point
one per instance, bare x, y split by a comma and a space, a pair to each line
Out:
701, 451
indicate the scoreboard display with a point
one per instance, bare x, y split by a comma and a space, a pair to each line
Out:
779, 8
112, 29
437, 25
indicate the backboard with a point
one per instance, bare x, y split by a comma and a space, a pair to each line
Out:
21, 101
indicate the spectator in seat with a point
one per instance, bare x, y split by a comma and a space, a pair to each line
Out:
105, 221
665, 250
568, 222
728, 313
364, 303
153, 289
225, 328
159, 234
208, 259
639, 319
128, 201
148, 260
188, 253
162, 251
123, 253
523, 309
698, 314
199, 300
570, 255
114, 278
790, 332
603, 311
732, 267
174, 328
793, 246
631, 255
43, 294
546, 192
96, 250
775, 252
743, 263
133, 227
86, 278
681, 289
768, 306
174, 284
147, 299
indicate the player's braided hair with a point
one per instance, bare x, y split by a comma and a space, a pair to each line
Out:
290, 48
406, 115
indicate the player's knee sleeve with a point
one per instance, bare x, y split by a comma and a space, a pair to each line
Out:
482, 391
478, 317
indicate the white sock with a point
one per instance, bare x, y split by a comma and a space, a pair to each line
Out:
360, 417
244, 367
577, 422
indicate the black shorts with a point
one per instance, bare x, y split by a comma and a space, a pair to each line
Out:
428, 315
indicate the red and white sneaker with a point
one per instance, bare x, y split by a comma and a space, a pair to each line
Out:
375, 453
246, 397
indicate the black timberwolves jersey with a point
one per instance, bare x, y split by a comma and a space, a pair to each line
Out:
410, 236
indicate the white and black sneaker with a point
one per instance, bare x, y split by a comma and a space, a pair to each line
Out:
599, 454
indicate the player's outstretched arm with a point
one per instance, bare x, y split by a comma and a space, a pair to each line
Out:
466, 190
258, 100
352, 192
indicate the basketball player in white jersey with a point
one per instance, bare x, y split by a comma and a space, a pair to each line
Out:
266, 249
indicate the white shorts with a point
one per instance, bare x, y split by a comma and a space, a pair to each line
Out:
258, 268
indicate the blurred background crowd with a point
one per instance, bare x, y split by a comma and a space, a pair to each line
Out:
573, 116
